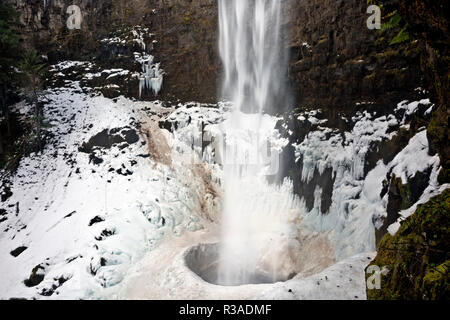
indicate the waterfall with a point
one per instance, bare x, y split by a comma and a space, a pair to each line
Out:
251, 52
256, 238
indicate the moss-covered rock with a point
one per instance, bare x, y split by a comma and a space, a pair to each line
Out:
438, 135
444, 176
417, 257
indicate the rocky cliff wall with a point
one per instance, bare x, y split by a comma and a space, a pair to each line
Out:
335, 60
415, 259
185, 34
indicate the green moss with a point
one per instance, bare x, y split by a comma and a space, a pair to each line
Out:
388, 54
380, 41
370, 76
437, 132
444, 176
332, 66
405, 193
417, 255
436, 280
414, 50
323, 39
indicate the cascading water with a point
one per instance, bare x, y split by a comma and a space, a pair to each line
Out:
258, 238
251, 52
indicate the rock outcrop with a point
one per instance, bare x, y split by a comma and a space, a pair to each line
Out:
429, 22
415, 262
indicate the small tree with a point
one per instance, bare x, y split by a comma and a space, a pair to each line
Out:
33, 69
9, 51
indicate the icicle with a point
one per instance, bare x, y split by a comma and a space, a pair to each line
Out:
141, 85
151, 77
157, 84
157, 80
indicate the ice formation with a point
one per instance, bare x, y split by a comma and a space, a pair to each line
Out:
86, 224
151, 77
151, 74
161, 209
356, 201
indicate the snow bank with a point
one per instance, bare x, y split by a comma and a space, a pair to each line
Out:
83, 223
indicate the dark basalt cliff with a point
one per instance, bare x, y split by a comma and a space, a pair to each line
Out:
185, 32
429, 22
336, 61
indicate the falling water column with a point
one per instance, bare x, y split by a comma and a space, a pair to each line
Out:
254, 64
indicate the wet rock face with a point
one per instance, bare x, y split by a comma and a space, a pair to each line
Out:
337, 61
428, 21
188, 35
306, 190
